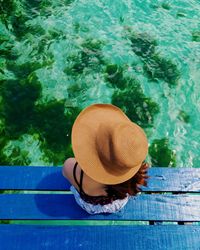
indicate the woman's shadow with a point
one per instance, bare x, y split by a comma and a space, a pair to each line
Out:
56, 206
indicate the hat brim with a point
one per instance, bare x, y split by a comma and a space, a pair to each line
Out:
84, 131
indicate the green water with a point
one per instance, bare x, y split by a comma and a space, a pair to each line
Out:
57, 57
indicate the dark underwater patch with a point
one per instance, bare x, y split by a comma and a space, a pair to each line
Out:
160, 68
181, 14
14, 16
90, 56
16, 13
139, 108
18, 105
183, 116
54, 125
142, 44
196, 36
166, 6
129, 96
3, 140
114, 75
161, 154
155, 66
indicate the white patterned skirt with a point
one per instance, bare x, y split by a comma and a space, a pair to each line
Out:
113, 207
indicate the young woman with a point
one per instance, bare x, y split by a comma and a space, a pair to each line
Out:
109, 165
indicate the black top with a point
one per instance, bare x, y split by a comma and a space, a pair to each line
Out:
95, 200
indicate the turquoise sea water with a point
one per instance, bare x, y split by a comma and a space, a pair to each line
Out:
57, 57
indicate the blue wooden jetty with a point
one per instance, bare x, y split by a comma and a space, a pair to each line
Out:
169, 208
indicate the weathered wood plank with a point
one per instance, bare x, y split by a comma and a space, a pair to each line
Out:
32, 178
16, 237
50, 178
63, 206
174, 179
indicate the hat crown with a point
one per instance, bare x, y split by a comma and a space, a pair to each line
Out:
120, 146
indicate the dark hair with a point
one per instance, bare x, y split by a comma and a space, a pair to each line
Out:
131, 186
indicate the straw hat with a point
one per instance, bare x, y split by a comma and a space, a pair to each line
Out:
108, 146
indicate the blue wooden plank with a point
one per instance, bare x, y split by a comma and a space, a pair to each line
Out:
32, 178
174, 179
63, 206
50, 178
173, 237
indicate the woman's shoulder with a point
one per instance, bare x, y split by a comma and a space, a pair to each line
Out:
70, 161
69, 165
68, 170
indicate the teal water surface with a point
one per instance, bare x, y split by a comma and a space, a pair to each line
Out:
57, 57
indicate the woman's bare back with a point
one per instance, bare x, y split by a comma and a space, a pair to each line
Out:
90, 186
